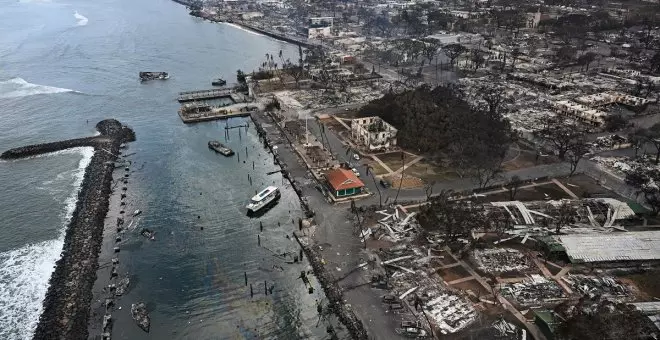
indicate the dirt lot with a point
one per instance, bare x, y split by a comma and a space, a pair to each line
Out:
453, 273
407, 183
393, 159
647, 283
585, 186
472, 285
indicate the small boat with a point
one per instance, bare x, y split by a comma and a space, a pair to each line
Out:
144, 76
263, 198
219, 82
220, 148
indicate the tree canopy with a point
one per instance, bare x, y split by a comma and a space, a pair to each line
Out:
438, 121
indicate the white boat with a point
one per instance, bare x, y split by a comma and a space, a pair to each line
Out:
263, 198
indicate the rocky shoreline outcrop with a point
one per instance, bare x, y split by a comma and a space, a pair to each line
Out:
66, 306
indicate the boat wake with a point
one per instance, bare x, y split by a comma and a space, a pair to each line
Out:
82, 20
24, 272
19, 87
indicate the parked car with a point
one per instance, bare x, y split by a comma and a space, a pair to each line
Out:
356, 157
384, 184
356, 172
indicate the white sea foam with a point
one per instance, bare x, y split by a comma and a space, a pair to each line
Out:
82, 20
24, 272
32, 1
19, 87
243, 29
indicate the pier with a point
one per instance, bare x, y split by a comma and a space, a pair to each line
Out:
205, 117
190, 96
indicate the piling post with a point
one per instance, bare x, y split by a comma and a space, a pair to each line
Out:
238, 155
259, 240
245, 273
246, 152
251, 291
265, 288
252, 165
261, 226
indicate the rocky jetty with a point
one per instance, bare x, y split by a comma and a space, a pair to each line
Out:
66, 306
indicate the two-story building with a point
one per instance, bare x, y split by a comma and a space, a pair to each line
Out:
373, 133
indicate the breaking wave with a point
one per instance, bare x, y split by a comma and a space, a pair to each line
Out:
243, 29
24, 272
82, 20
19, 87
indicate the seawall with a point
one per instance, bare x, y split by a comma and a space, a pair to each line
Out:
331, 289
66, 305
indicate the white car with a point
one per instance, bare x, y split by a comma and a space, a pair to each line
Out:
356, 157
356, 172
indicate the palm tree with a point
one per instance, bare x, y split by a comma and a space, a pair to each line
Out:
370, 172
403, 169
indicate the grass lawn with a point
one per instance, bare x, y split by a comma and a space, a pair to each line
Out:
428, 172
376, 167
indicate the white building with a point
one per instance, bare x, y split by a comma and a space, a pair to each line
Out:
373, 133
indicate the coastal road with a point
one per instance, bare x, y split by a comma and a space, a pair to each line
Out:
339, 245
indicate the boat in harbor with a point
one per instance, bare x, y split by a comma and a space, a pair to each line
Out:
267, 196
220, 148
218, 82
145, 76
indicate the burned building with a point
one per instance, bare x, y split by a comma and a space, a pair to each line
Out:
373, 133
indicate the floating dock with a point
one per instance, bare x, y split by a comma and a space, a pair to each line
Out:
190, 96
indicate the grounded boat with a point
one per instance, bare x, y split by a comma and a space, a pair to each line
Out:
144, 76
262, 199
218, 82
220, 148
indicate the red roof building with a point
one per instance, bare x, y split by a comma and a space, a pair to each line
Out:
343, 182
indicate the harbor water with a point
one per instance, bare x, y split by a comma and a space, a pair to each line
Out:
67, 64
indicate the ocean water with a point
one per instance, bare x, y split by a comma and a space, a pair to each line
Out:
65, 65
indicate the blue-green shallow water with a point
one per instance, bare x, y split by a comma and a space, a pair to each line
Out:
60, 73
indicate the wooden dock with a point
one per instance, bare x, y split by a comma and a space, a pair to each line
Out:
202, 95
196, 118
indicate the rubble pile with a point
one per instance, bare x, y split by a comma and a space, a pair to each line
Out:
506, 330
596, 286
536, 289
500, 260
322, 98
448, 311
394, 226
609, 142
625, 165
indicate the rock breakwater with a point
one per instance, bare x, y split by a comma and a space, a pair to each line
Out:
66, 306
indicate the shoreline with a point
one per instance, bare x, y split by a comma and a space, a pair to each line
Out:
66, 304
251, 28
